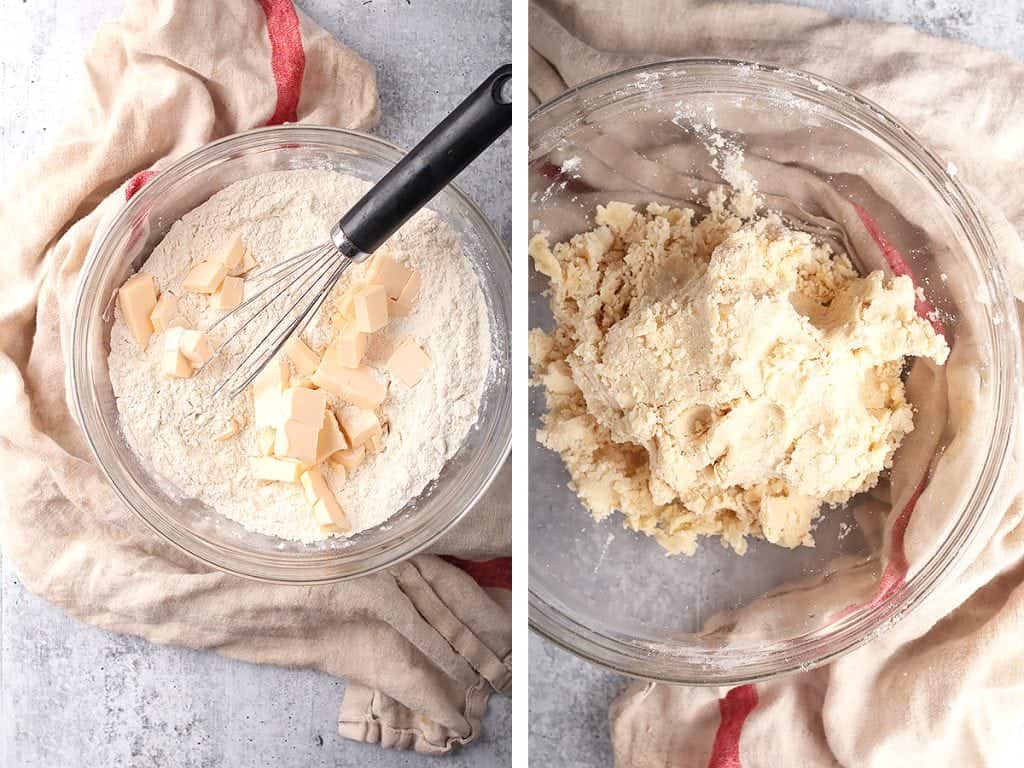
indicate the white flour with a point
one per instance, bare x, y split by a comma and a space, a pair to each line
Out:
169, 423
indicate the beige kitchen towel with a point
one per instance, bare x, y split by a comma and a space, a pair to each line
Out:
423, 644
946, 686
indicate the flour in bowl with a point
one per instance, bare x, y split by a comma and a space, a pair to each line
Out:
173, 424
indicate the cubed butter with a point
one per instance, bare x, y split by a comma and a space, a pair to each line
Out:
164, 312
303, 358
229, 295
350, 346
387, 272
172, 338
408, 363
359, 425
205, 277
277, 470
296, 440
371, 308
403, 306
244, 267
274, 376
196, 347
346, 307
350, 458
354, 385
340, 473
322, 515
325, 506
305, 405
376, 443
265, 439
137, 299
267, 389
175, 364
331, 439
231, 255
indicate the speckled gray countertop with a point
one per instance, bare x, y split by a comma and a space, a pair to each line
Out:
72, 695
569, 698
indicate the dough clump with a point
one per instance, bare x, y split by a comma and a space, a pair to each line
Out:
722, 377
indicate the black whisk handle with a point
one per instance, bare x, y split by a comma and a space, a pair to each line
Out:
458, 140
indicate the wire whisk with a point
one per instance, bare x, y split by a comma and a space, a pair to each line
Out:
297, 287
300, 284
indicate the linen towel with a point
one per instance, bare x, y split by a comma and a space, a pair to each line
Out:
422, 644
946, 685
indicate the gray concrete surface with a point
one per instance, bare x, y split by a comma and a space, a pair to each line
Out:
72, 695
569, 698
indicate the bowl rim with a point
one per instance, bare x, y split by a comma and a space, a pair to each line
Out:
165, 177
637, 658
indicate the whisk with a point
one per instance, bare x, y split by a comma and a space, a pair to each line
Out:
302, 283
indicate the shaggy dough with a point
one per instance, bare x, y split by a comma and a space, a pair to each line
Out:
722, 377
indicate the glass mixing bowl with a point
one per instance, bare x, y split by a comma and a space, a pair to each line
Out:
195, 528
612, 595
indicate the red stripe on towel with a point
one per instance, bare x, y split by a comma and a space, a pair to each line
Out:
896, 569
287, 58
287, 62
733, 710
136, 182
895, 573
486, 573
899, 266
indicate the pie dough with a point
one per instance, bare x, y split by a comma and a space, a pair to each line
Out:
722, 377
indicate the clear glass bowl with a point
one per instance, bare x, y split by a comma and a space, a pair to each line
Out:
613, 596
195, 528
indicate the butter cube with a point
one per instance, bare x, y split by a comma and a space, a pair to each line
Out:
350, 458
296, 440
322, 514
164, 312
331, 439
137, 299
172, 338
340, 473
196, 347
244, 267
408, 363
346, 310
371, 308
387, 272
350, 346
354, 385
205, 277
231, 256
326, 508
359, 425
304, 405
403, 306
267, 389
303, 358
173, 361
376, 443
278, 470
175, 364
229, 295
265, 439
274, 376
